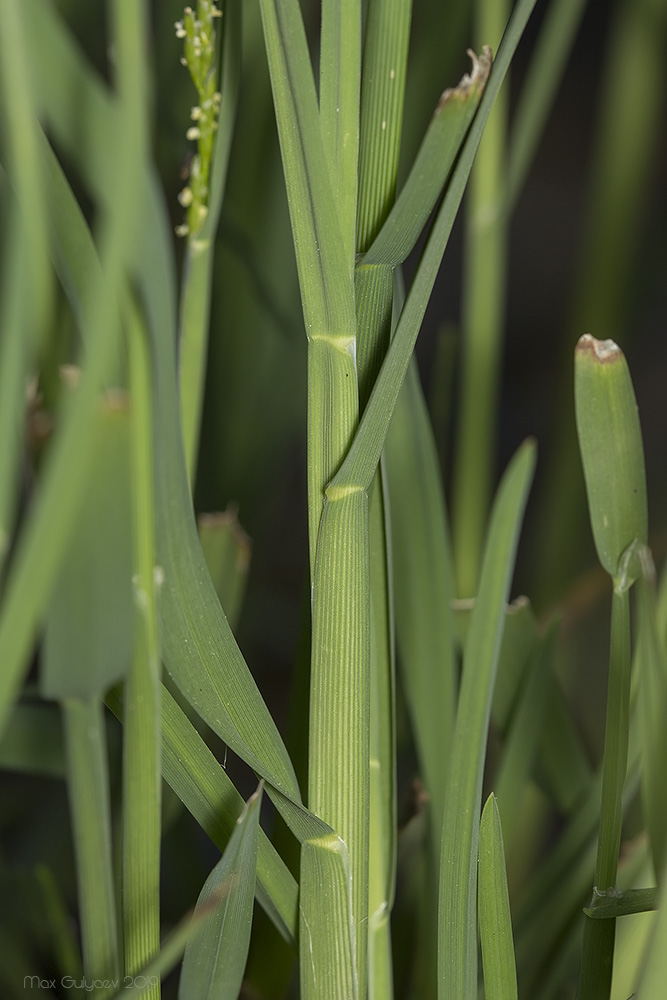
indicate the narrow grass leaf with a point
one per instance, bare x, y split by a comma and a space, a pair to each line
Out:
522, 741
423, 582
206, 790
170, 954
495, 922
216, 955
431, 168
457, 958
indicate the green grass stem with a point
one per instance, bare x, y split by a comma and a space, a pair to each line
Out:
195, 303
141, 734
598, 947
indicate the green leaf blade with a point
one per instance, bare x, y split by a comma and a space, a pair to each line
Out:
495, 923
215, 957
457, 957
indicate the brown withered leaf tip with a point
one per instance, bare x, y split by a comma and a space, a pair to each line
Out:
603, 350
475, 79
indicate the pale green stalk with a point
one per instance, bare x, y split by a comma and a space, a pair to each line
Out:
383, 86
141, 733
485, 256
333, 940
198, 265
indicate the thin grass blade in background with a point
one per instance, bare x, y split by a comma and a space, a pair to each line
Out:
215, 957
522, 742
457, 929
652, 706
483, 310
